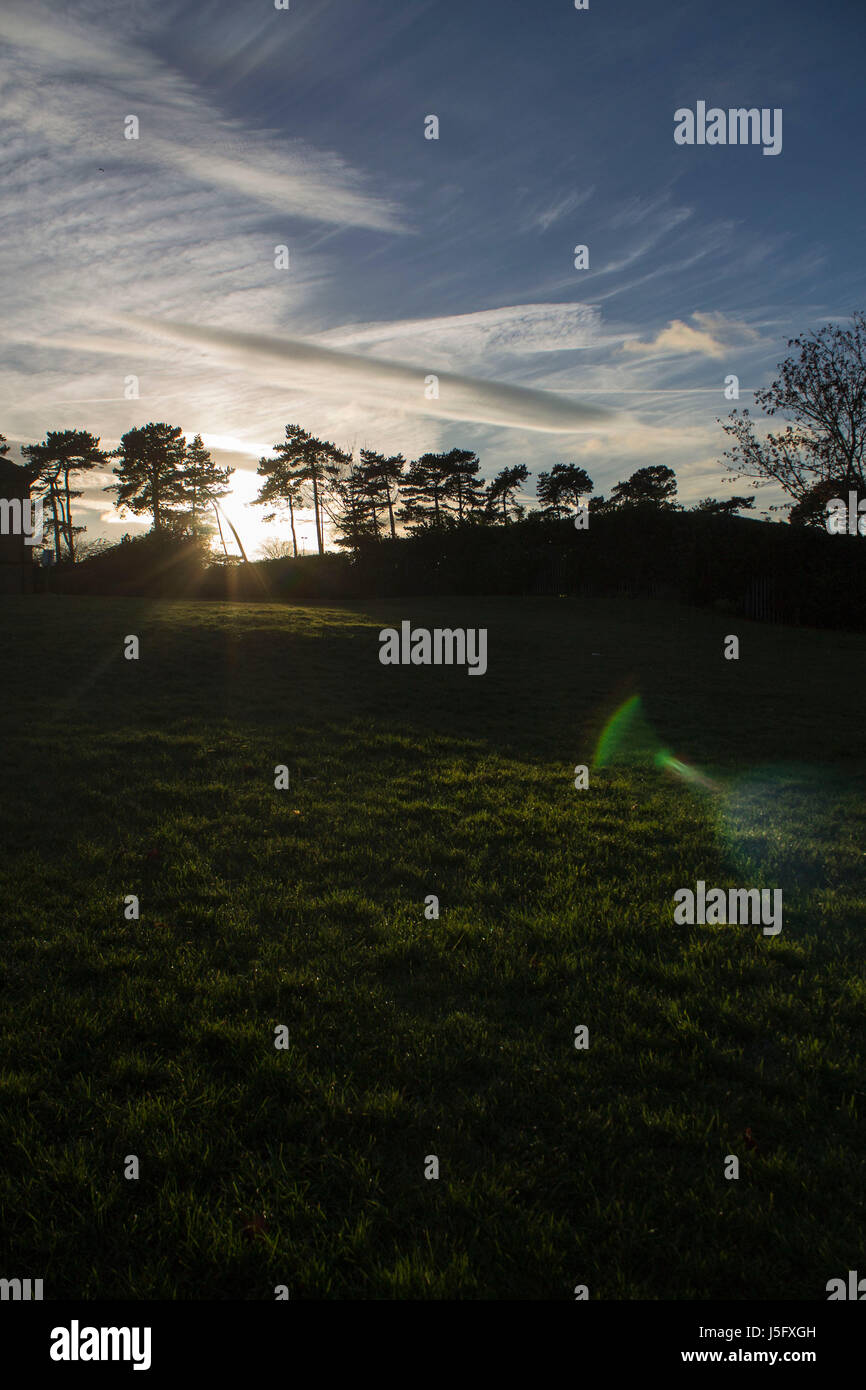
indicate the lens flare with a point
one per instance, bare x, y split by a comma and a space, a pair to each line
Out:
628, 737
669, 763
792, 823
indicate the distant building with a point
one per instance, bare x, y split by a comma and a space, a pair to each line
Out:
16, 558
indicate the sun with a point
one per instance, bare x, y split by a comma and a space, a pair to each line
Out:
254, 531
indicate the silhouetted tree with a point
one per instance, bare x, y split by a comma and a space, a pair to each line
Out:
600, 505
201, 482
424, 492
322, 470
441, 489
53, 462
283, 484
811, 508
352, 507
654, 486
464, 490
382, 479
560, 491
726, 507
501, 489
150, 472
314, 463
823, 387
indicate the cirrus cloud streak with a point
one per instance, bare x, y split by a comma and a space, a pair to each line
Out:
293, 363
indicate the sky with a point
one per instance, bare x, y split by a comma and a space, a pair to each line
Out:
155, 258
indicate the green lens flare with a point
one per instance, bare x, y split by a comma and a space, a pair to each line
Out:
669, 763
628, 737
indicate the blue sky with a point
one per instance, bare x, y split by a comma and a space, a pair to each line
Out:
305, 128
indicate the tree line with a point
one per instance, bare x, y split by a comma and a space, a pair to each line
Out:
158, 474
178, 485
821, 451
367, 498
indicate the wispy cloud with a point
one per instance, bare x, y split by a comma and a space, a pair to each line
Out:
180, 127
322, 369
511, 331
183, 221
543, 217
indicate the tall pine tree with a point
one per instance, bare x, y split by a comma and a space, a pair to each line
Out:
500, 491
150, 472
424, 493
61, 454
303, 465
382, 485
283, 486
201, 483
560, 491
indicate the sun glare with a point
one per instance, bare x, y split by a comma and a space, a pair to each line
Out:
254, 531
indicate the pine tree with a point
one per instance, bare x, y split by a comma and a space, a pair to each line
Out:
560, 491
501, 488
464, 492
355, 516
440, 489
382, 479
201, 482
283, 484
423, 492
654, 486
150, 472
302, 464
61, 454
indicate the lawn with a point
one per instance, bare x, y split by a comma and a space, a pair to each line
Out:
411, 1036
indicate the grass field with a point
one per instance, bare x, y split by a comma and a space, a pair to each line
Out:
412, 1037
